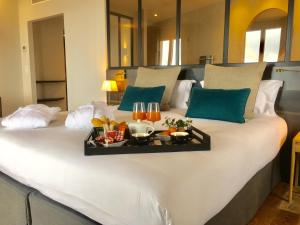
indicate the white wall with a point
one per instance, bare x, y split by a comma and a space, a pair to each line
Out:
85, 36
10, 63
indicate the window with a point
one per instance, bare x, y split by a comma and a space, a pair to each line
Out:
267, 48
174, 54
252, 46
272, 45
202, 30
164, 49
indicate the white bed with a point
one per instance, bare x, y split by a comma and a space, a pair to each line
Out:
146, 189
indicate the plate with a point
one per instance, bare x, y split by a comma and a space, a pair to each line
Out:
117, 144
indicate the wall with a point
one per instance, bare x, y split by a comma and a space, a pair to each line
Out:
10, 63
241, 15
296, 34
85, 37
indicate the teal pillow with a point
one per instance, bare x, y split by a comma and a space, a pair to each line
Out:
141, 94
218, 104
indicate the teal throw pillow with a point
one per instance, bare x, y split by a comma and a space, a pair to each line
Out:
218, 104
141, 94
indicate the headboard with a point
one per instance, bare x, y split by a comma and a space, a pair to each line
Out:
287, 104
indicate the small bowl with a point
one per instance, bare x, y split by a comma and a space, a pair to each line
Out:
163, 137
141, 138
180, 137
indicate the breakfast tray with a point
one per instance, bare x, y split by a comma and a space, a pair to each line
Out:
199, 141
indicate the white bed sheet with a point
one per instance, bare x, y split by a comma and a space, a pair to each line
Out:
147, 189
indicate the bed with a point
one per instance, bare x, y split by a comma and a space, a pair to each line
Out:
188, 188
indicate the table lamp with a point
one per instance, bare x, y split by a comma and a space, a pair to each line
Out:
109, 86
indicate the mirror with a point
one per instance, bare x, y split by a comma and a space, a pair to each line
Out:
295, 56
266, 37
202, 31
123, 33
159, 32
257, 31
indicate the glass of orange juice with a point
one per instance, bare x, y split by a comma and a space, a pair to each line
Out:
153, 112
139, 111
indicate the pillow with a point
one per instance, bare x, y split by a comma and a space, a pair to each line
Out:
248, 76
140, 94
181, 93
266, 97
202, 83
159, 77
218, 104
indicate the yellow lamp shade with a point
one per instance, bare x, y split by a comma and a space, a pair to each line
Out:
109, 85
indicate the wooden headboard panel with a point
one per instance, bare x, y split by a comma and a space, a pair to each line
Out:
287, 106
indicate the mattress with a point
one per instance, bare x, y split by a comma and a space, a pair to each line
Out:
144, 189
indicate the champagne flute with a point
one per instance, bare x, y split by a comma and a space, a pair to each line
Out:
139, 111
153, 112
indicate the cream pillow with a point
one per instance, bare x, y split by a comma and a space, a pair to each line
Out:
157, 77
249, 76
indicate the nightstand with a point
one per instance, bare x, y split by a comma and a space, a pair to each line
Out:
294, 165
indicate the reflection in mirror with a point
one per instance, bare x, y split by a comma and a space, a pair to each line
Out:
295, 56
257, 31
123, 33
266, 37
159, 32
202, 31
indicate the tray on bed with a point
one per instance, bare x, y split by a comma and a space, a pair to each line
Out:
199, 141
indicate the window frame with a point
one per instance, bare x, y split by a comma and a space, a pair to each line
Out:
288, 49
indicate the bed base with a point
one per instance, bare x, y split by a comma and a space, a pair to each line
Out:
21, 205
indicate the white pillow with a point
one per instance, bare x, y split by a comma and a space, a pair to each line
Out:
266, 96
181, 93
31, 116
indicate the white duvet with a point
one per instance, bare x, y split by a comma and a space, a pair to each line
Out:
186, 188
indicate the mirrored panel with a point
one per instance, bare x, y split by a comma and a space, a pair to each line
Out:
295, 56
159, 32
258, 31
123, 33
202, 31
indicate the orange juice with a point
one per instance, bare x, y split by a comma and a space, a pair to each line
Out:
139, 115
153, 116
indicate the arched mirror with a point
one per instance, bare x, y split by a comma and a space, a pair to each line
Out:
257, 30
265, 37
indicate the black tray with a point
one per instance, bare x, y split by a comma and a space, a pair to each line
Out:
196, 135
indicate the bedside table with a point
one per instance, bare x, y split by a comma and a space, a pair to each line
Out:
294, 163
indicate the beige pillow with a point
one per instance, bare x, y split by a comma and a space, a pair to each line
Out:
157, 77
249, 76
